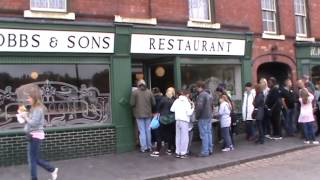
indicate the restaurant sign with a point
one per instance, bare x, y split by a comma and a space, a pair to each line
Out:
16, 40
160, 44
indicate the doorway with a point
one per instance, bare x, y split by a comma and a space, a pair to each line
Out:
280, 71
156, 72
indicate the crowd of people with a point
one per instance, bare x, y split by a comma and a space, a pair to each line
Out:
269, 110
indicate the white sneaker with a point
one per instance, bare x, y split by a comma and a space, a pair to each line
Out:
315, 142
155, 154
226, 150
306, 142
54, 174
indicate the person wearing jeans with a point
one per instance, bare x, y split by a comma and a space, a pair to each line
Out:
205, 129
34, 129
144, 133
142, 101
225, 122
34, 159
204, 113
306, 116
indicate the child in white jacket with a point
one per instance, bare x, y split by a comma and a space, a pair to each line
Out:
225, 122
183, 109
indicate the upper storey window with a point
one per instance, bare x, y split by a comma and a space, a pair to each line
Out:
49, 5
301, 17
199, 10
269, 12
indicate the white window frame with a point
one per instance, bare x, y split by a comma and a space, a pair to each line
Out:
49, 9
303, 15
274, 14
201, 20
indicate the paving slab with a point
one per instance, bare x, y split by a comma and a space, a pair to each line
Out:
136, 165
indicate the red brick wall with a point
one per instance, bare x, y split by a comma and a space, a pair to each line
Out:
176, 11
287, 19
314, 14
239, 13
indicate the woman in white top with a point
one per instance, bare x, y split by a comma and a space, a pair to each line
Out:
183, 109
247, 109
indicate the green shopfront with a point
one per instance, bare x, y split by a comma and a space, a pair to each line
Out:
86, 73
308, 60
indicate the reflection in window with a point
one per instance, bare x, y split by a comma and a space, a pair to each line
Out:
199, 10
213, 75
73, 93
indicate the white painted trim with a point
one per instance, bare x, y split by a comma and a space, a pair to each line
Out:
204, 25
302, 38
273, 36
49, 15
152, 21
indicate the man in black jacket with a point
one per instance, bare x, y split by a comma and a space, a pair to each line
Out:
288, 101
203, 109
273, 103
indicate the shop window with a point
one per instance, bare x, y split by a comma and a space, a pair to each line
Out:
213, 75
72, 93
269, 13
200, 10
301, 17
49, 5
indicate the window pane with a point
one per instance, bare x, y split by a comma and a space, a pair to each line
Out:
213, 75
72, 93
268, 5
199, 9
49, 4
301, 25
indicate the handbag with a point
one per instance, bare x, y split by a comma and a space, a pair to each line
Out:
155, 122
254, 113
167, 119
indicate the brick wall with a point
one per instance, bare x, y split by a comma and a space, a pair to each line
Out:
60, 144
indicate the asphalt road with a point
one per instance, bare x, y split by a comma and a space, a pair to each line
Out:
302, 164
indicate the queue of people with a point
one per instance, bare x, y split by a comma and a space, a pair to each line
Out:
270, 111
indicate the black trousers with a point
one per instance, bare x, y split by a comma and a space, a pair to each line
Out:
266, 122
276, 122
167, 134
259, 124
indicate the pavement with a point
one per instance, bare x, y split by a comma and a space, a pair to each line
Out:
136, 165
297, 165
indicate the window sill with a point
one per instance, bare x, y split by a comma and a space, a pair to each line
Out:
305, 39
273, 36
49, 15
119, 19
204, 25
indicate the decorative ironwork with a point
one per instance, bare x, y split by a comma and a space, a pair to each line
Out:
66, 105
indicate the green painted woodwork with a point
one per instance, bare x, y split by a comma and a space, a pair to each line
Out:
121, 90
305, 62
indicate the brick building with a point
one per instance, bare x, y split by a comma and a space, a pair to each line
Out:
86, 55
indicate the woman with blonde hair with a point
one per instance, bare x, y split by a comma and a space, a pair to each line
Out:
35, 134
306, 117
225, 122
166, 131
263, 83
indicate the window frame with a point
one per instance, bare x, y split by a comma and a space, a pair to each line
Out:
304, 17
274, 14
202, 20
50, 9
